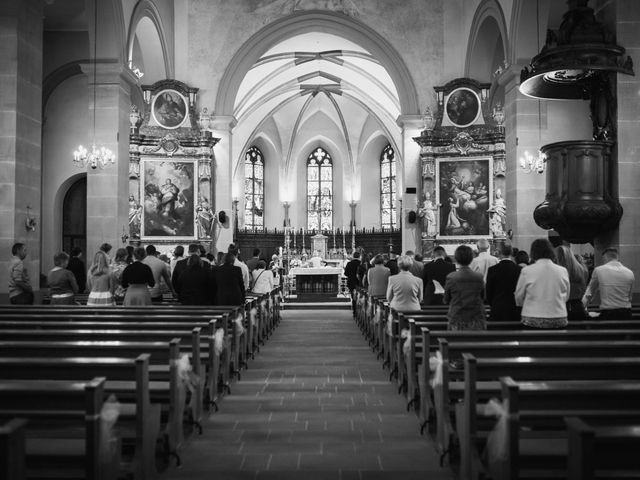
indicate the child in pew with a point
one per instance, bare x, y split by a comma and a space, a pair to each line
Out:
62, 283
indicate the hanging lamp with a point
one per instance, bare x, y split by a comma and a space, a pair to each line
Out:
94, 157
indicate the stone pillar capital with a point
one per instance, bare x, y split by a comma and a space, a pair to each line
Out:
108, 72
225, 123
410, 122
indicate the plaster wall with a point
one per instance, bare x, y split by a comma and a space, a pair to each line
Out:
66, 124
62, 47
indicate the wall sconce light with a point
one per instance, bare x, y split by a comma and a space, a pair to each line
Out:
125, 235
30, 222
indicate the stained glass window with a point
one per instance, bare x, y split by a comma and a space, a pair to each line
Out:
319, 191
388, 187
253, 189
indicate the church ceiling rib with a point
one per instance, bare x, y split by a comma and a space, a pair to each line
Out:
247, 98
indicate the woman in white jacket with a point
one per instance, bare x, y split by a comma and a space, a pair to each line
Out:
543, 289
261, 278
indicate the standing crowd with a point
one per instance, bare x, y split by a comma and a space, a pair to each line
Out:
141, 276
546, 288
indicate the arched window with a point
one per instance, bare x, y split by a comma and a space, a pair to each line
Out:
388, 188
253, 189
319, 191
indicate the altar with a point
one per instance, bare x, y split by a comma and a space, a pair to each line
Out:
316, 284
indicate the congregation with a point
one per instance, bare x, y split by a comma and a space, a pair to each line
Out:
141, 276
547, 291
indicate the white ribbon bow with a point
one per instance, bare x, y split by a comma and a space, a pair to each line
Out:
218, 341
406, 347
377, 318
108, 417
497, 440
238, 325
435, 365
390, 325
252, 316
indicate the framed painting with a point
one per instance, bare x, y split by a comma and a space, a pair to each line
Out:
169, 189
464, 189
462, 108
169, 108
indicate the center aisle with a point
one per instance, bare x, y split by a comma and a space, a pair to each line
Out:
314, 404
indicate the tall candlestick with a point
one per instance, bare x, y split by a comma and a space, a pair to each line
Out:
295, 247
303, 240
344, 244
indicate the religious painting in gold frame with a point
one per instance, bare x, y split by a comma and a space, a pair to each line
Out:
169, 189
464, 189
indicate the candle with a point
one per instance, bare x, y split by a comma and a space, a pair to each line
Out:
295, 247
344, 245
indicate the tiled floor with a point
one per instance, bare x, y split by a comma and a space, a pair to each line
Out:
314, 404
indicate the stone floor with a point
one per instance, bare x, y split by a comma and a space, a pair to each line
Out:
314, 404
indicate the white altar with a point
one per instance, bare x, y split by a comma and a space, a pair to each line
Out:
313, 283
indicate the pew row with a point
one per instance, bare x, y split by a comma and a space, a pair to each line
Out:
138, 426
602, 451
65, 436
481, 383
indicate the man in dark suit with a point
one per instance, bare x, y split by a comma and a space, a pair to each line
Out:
229, 282
351, 272
76, 266
181, 266
392, 263
501, 283
437, 270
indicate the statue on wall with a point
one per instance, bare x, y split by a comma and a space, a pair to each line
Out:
428, 213
204, 217
135, 217
498, 216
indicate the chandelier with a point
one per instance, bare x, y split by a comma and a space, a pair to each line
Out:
95, 157
530, 163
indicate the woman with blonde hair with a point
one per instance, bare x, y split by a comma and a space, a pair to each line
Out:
578, 275
100, 282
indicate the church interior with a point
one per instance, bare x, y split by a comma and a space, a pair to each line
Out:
314, 128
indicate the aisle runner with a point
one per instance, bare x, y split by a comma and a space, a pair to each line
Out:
315, 403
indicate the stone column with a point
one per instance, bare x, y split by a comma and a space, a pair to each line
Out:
108, 188
411, 177
20, 133
222, 127
628, 175
524, 191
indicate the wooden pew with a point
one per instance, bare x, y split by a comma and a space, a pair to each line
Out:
64, 437
12, 449
481, 383
128, 379
602, 451
532, 437
430, 341
167, 388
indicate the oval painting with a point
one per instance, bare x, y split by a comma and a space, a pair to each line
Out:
169, 109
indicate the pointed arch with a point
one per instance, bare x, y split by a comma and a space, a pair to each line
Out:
487, 37
145, 9
301, 22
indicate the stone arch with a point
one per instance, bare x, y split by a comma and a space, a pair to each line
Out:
526, 32
487, 40
308, 21
146, 24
